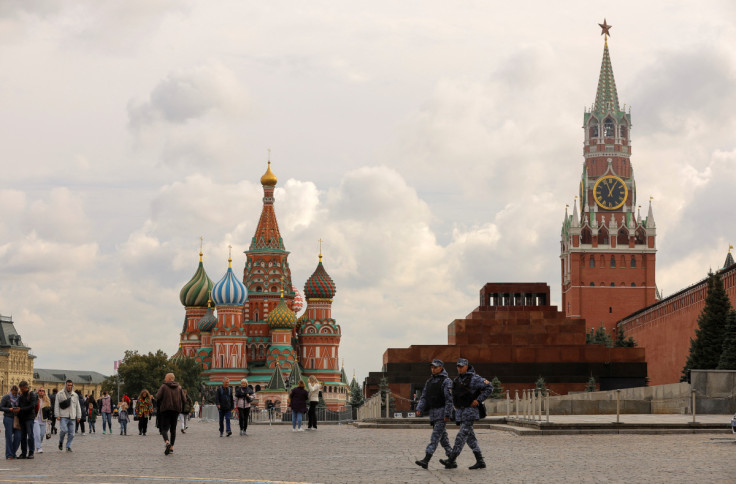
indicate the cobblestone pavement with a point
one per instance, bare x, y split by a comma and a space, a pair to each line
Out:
342, 453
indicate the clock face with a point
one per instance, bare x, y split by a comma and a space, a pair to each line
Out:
610, 192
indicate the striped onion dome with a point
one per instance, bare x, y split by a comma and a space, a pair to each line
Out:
229, 291
320, 284
195, 293
178, 356
208, 321
281, 317
298, 303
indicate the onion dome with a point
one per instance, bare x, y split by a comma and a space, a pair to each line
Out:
229, 291
177, 357
269, 179
196, 291
208, 321
281, 317
320, 284
298, 302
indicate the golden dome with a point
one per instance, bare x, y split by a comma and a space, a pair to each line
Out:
268, 179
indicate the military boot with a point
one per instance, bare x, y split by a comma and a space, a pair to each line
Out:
449, 463
424, 463
479, 462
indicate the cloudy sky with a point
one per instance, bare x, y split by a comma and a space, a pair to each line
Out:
432, 145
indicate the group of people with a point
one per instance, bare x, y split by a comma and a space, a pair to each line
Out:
30, 417
464, 395
299, 398
229, 402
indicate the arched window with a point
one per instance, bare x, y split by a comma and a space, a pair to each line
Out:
592, 261
633, 284
610, 309
593, 131
641, 236
603, 236
624, 132
258, 289
633, 261
623, 237
609, 128
592, 284
613, 284
613, 262
586, 237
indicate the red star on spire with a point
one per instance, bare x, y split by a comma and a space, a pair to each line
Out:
605, 28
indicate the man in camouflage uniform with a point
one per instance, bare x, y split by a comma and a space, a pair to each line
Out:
436, 400
468, 392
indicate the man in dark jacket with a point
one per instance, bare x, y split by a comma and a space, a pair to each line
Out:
224, 401
27, 403
52, 397
468, 393
170, 400
436, 400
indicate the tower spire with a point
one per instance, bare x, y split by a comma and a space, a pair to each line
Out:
606, 96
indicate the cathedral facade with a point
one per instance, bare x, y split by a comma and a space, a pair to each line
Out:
249, 328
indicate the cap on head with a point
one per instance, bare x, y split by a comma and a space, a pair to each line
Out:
437, 362
462, 362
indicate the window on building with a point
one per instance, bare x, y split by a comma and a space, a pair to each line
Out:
613, 284
633, 261
592, 284
613, 261
624, 132
609, 128
633, 284
594, 130
610, 309
592, 261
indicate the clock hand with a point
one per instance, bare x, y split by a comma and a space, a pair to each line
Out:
610, 190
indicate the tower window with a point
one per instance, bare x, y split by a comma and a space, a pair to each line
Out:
610, 309
633, 261
592, 261
609, 128
633, 284
592, 284
613, 261
613, 284
594, 130
624, 132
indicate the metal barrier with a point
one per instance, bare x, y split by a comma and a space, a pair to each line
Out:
530, 405
371, 408
342, 414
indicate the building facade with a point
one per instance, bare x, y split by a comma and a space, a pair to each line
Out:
249, 328
16, 361
608, 250
87, 382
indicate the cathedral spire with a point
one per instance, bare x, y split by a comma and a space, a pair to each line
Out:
606, 96
267, 234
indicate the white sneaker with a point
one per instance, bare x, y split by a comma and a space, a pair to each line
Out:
40, 451
293, 430
300, 429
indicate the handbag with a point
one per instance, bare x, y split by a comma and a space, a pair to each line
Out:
16, 422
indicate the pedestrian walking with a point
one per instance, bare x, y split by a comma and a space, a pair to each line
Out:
123, 418
315, 387
143, 411
170, 398
298, 403
105, 404
469, 390
92, 417
225, 404
243, 397
436, 401
83, 403
68, 411
196, 410
27, 401
52, 397
9, 407
185, 411
40, 422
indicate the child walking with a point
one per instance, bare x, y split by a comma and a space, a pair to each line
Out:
92, 417
123, 417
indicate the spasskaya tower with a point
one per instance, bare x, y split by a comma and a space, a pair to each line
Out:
607, 249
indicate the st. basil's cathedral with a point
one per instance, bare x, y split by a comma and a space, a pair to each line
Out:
250, 329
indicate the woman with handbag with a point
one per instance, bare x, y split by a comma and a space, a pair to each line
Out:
9, 407
40, 423
143, 411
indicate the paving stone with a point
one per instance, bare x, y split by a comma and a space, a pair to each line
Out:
343, 453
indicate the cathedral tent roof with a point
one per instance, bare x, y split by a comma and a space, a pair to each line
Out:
729, 260
277, 380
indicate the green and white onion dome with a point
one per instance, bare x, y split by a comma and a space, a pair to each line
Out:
195, 293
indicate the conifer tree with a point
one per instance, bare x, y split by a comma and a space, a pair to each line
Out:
498, 391
590, 386
728, 356
706, 348
620, 341
356, 396
540, 384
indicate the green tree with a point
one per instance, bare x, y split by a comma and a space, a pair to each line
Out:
498, 392
356, 396
728, 356
383, 388
590, 386
188, 372
598, 337
540, 384
706, 348
138, 371
620, 341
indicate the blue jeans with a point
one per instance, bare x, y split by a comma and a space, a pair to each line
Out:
123, 426
296, 419
27, 444
66, 426
106, 419
12, 437
224, 414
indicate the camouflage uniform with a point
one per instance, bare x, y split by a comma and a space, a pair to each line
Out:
466, 388
437, 415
